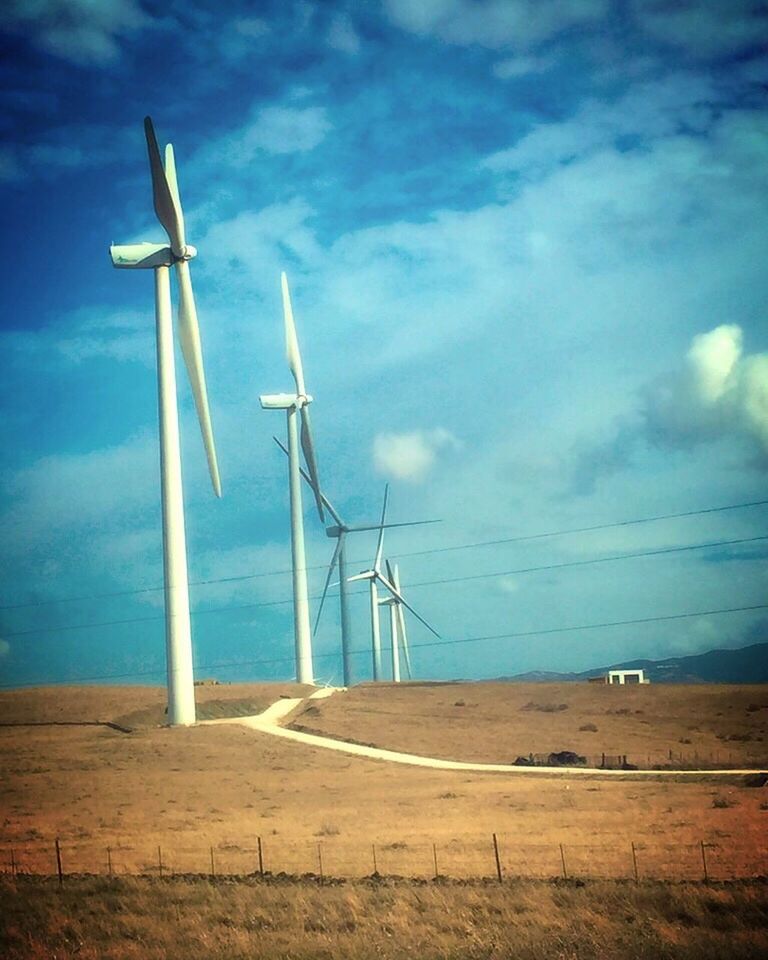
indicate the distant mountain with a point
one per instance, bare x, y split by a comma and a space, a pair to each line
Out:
746, 665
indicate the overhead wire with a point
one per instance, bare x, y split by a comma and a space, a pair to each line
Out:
415, 553
444, 580
521, 634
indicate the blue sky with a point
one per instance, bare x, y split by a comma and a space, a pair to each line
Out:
527, 250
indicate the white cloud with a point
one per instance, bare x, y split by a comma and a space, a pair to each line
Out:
5, 648
410, 456
342, 35
506, 584
124, 335
274, 129
493, 23
703, 27
75, 147
717, 392
522, 66
78, 30
650, 110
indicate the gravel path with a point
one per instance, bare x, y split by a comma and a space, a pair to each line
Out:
270, 722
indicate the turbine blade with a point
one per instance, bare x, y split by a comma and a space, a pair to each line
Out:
309, 458
398, 595
168, 213
358, 528
173, 186
334, 560
404, 638
291, 340
326, 502
380, 544
401, 620
189, 338
366, 575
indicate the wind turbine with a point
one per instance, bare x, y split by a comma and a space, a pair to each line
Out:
160, 258
397, 625
339, 531
374, 576
297, 405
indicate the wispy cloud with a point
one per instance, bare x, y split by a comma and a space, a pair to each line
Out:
410, 456
77, 30
704, 29
493, 23
343, 36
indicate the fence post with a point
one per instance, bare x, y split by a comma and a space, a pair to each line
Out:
160, 861
704, 861
58, 862
375, 866
634, 862
320, 860
498, 859
562, 858
434, 859
109, 860
13, 863
261, 858
213, 865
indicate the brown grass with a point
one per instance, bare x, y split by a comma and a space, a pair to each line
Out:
173, 920
497, 722
186, 790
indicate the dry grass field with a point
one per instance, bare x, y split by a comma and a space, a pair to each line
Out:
190, 790
497, 722
197, 920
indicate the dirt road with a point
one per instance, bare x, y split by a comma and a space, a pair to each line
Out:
270, 722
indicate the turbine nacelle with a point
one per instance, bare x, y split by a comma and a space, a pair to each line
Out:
146, 256
283, 401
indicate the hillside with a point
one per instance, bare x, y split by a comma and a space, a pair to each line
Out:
745, 665
193, 790
496, 722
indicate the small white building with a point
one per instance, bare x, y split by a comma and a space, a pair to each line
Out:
626, 676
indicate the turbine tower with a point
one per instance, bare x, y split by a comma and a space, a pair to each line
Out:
339, 531
374, 576
397, 626
160, 258
296, 406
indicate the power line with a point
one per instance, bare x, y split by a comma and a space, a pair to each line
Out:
599, 526
592, 560
428, 643
424, 583
414, 553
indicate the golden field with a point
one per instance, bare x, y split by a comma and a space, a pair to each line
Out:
187, 791
720, 725
99, 919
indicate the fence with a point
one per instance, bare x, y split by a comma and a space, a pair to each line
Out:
494, 856
670, 760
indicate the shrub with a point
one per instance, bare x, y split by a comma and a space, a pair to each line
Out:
545, 707
588, 728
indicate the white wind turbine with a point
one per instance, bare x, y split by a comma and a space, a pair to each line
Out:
397, 630
339, 531
374, 576
160, 257
297, 404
